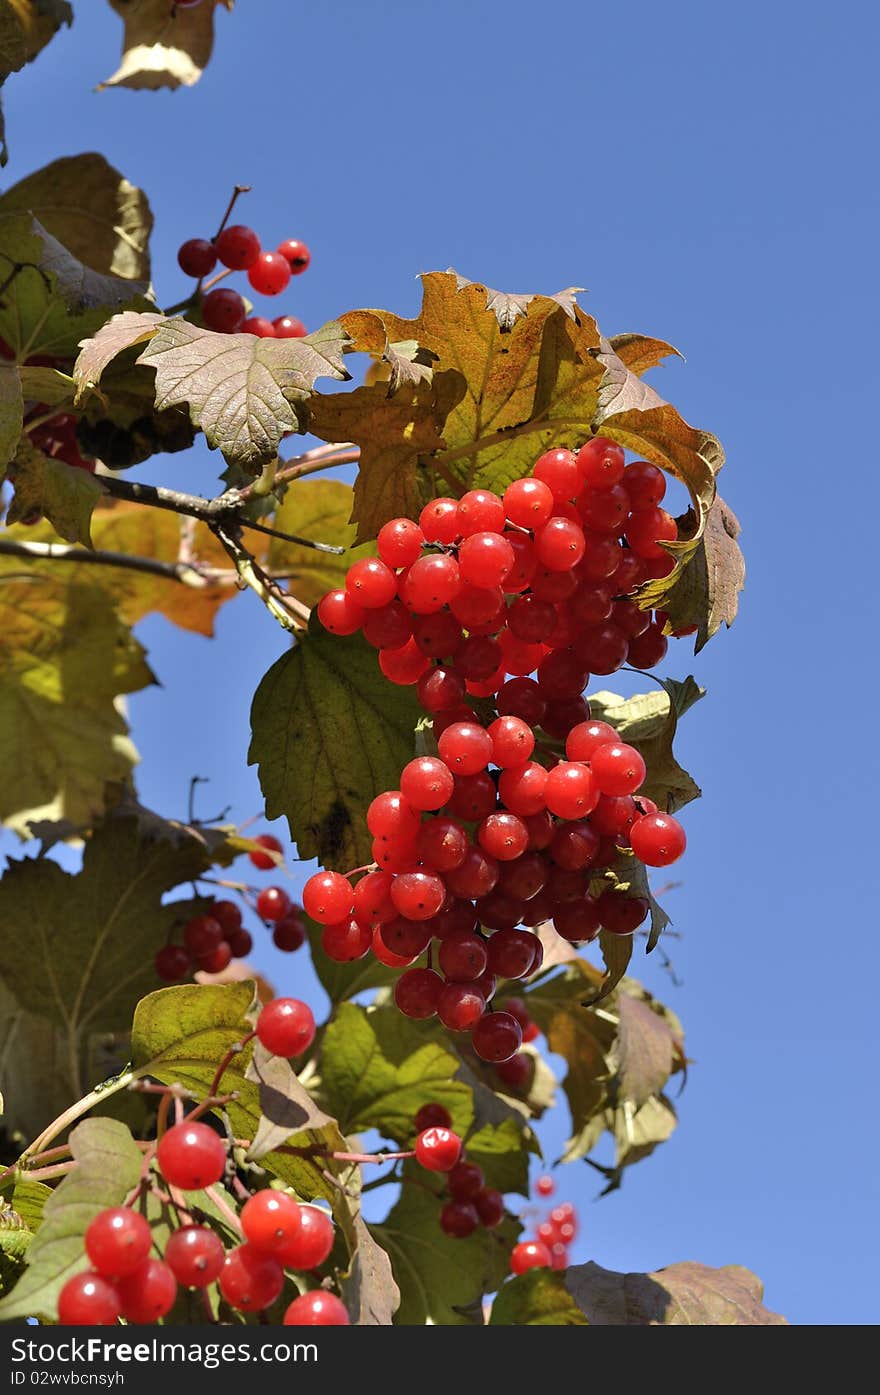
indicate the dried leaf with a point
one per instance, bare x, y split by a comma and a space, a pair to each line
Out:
163, 45
119, 333
683, 1295
705, 591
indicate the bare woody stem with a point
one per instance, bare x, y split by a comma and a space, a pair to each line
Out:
188, 574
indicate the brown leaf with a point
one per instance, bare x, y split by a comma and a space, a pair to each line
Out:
370, 1293
286, 1106
639, 352
405, 361
119, 333
508, 308
163, 46
683, 1295
705, 590
644, 1050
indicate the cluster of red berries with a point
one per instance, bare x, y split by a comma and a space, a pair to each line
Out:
516, 814
211, 941
238, 249
553, 1236
471, 1203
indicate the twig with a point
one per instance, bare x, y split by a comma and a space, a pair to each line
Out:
225, 1211
282, 608
69, 552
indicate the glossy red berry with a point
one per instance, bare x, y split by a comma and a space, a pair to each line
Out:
618, 913
259, 326
479, 510
489, 1205
560, 544
270, 1219
461, 1005
465, 1180
289, 327
327, 897
88, 1300
370, 583
273, 903
289, 933
224, 311
528, 503
417, 993
270, 273
426, 783
511, 954
618, 769
459, 1219
347, 941
545, 1186
197, 257
601, 462
438, 1149
172, 963
286, 1027
238, 247
558, 469
191, 1156
497, 1036
646, 528
195, 1256
657, 839
529, 1254
439, 521
262, 859
312, 1242
644, 483
296, 254
462, 956
316, 1309
202, 934
570, 791
432, 1116
250, 1280
400, 542
148, 1293
118, 1241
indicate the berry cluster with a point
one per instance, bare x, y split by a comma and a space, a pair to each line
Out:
519, 811
553, 1236
278, 1233
238, 248
211, 941
470, 1202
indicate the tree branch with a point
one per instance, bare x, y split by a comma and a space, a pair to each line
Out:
187, 573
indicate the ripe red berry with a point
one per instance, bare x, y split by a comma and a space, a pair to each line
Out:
489, 1205
311, 1244
578, 921
601, 462
316, 1309
432, 1116
370, 583
476, 875
202, 934
528, 503
545, 1186
262, 859
296, 254
148, 1293
238, 247
426, 783
347, 941
465, 748
387, 956
289, 327
195, 1256
417, 894
442, 844
560, 544
430, 583
459, 1219
503, 835
417, 993
191, 1156
286, 1027
558, 470
118, 1241
480, 511
465, 1180
250, 1280
461, 1005
485, 559
657, 839
646, 528
438, 1149
570, 791
405, 665
400, 542
269, 1220
327, 897
522, 788
217, 959
529, 1254
462, 956
644, 483
618, 913
224, 311
439, 521
259, 326
88, 1300
618, 769
515, 1073
497, 1036
511, 954
273, 903
270, 273
513, 741
172, 963
648, 649
197, 257
227, 915
289, 933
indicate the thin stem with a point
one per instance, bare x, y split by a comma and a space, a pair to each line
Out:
215, 280
292, 537
250, 575
227, 1060
45, 1174
225, 1211
69, 552
324, 458
76, 1111
237, 191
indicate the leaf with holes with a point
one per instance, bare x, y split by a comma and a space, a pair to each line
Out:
164, 45
683, 1295
108, 1166
244, 392
329, 734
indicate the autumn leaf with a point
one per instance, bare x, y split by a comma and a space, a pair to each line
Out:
119, 333
61, 493
11, 410
705, 591
163, 45
683, 1295
319, 509
25, 29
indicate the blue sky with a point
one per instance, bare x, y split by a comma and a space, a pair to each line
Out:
711, 177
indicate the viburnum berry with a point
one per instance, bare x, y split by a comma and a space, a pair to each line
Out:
511, 954
217, 959
289, 327
489, 1205
578, 921
479, 510
400, 542
459, 1219
618, 913
118, 1241
601, 462
430, 583
476, 875
311, 1243
574, 845
148, 1293
516, 1072
270, 273
485, 559
250, 1280
259, 326
460, 1006
545, 1186
289, 933
513, 741
647, 528
191, 1156
465, 1180
405, 665
442, 844
405, 938
237, 247
262, 860
172, 963
273, 903
432, 1116
648, 649
227, 915
524, 565
426, 783
195, 1255
286, 1027
613, 815
617, 769
296, 254
388, 626
417, 993
465, 748
558, 469
438, 1149
202, 934
521, 697
644, 483
528, 503
560, 544
439, 521
347, 941
316, 1309
462, 956
269, 1220
602, 648
522, 788
88, 1300
387, 956
224, 311
503, 835
197, 257
657, 839
604, 510
328, 897
497, 1036
418, 894
370, 583
529, 1254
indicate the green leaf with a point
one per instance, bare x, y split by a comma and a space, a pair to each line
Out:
181, 1034
245, 393
441, 1279
538, 1298
503, 1154
378, 1069
629, 877
66, 659
321, 510
704, 591
285, 1106
343, 981
649, 722
109, 1164
11, 411
163, 46
616, 952
329, 734
102, 219
401, 364
61, 493
683, 1295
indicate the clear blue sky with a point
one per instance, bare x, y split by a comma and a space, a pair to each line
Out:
710, 175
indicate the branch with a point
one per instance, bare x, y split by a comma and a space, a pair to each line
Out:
321, 458
290, 613
188, 574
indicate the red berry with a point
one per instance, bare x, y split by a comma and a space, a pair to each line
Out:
497, 1036
404, 939
459, 1219
202, 934
286, 1027
172, 963
521, 697
528, 503
426, 783
217, 959
465, 1180
504, 836
262, 859
417, 993
442, 844
238, 247
118, 1241
289, 327
327, 897
601, 462
432, 1116
195, 1256
224, 311
400, 542
370, 583
618, 913
269, 274
644, 483
316, 1309
430, 583
438, 1149
648, 649
191, 1156
489, 1205
88, 1300
439, 521
227, 915
269, 1220
311, 1244
511, 954
558, 470
480, 511
646, 528
347, 941
465, 748
604, 510
296, 254
475, 876
250, 1280
522, 788
259, 326
657, 839
560, 544
460, 1006
577, 921
273, 903
474, 796
618, 769
148, 1293
513, 741
529, 1254
462, 957
405, 665
545, 1186
197, 257
418, 895
485, 559
570, 791
516, 1072
289, 934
